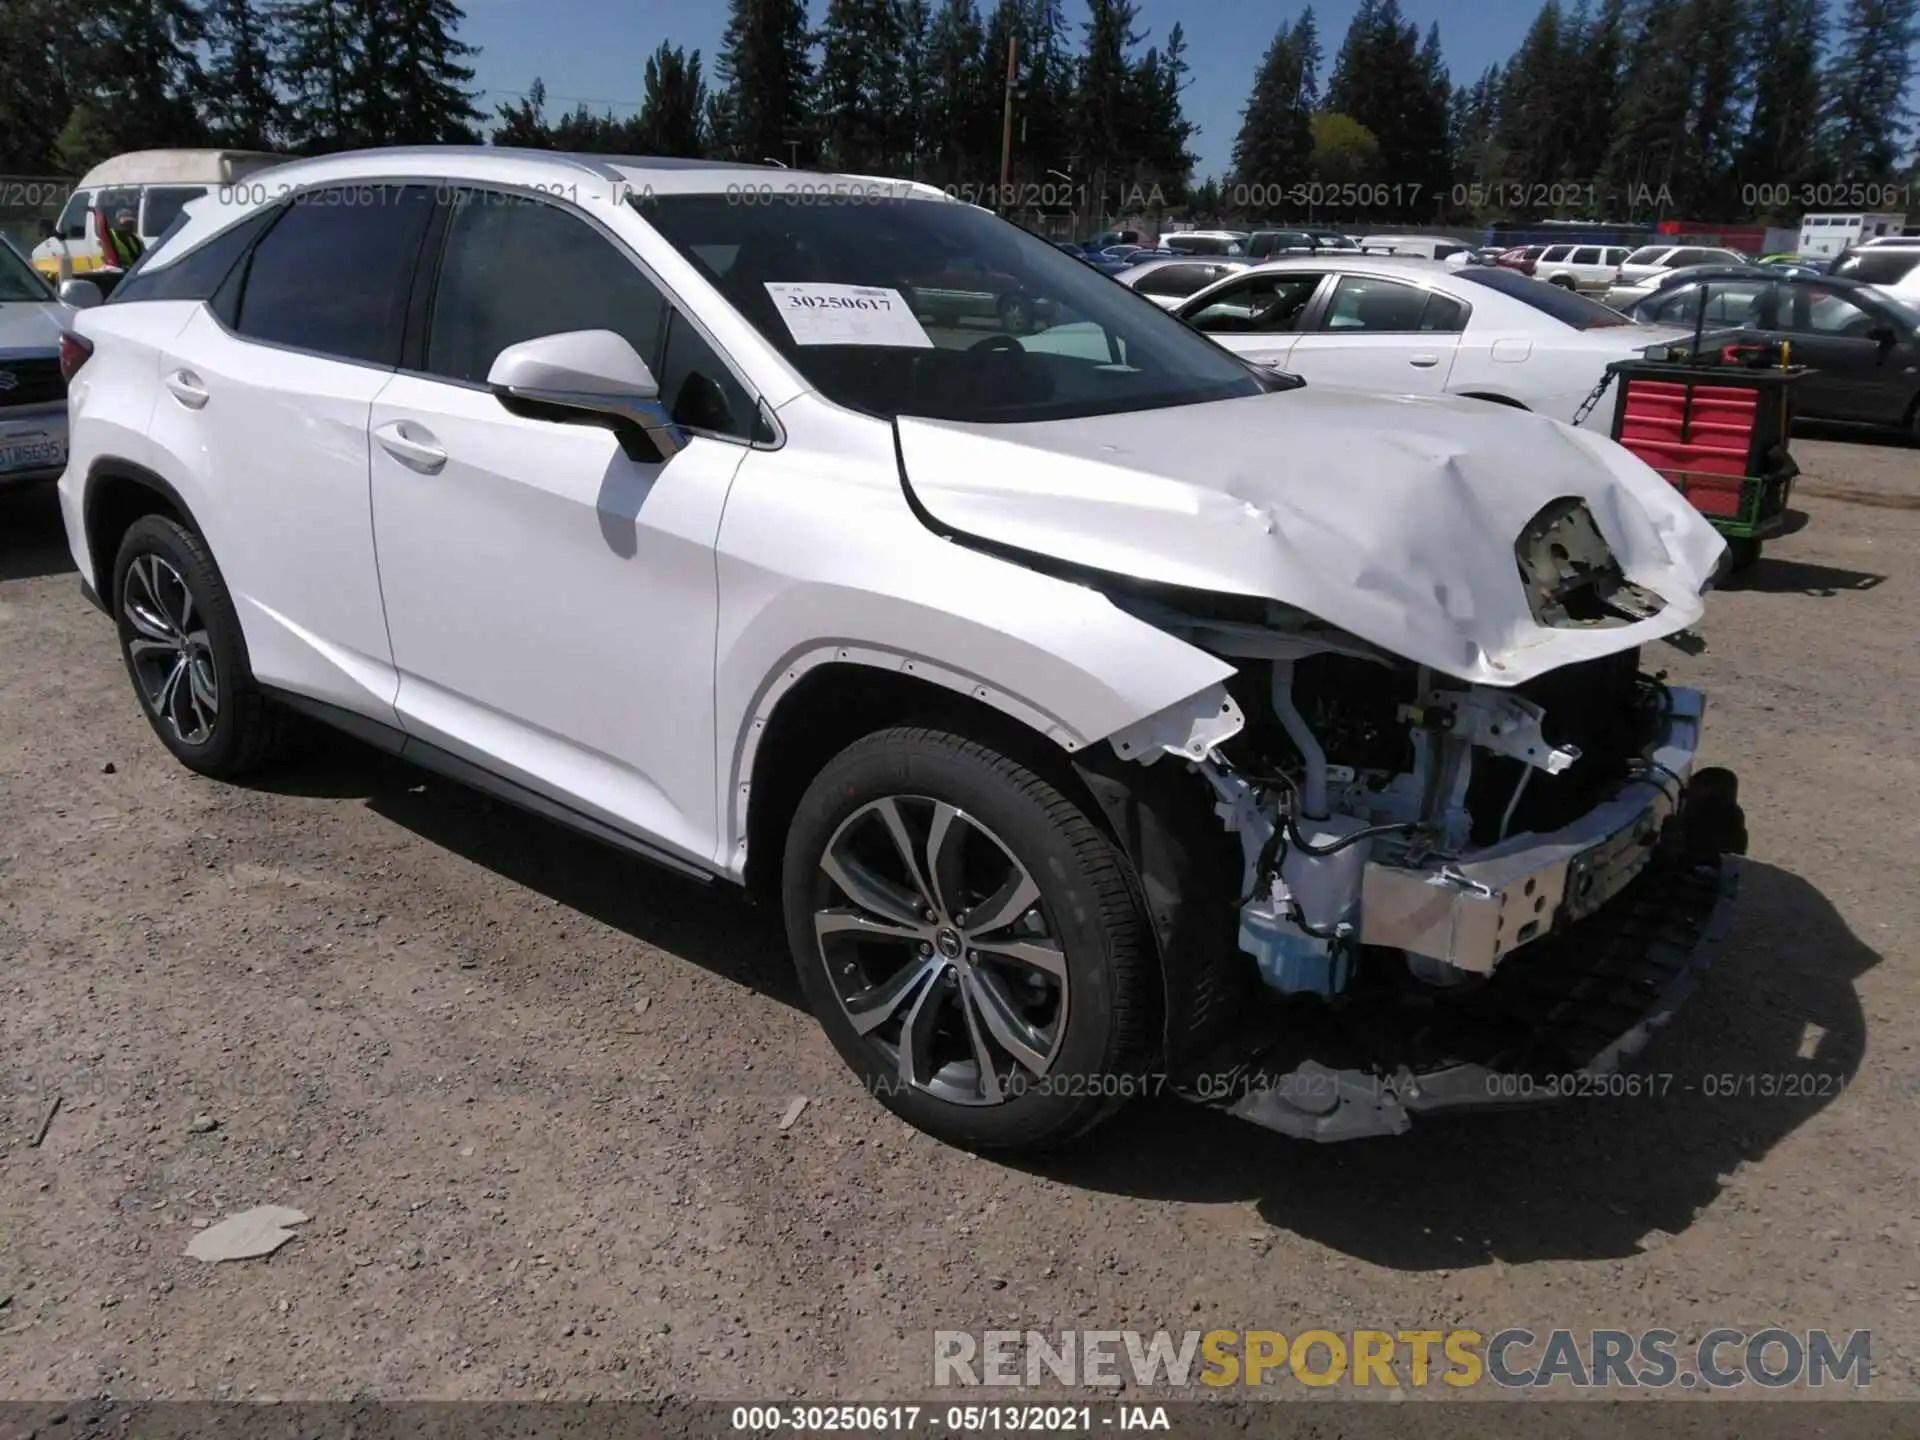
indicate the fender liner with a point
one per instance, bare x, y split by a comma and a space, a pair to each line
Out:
1187, 863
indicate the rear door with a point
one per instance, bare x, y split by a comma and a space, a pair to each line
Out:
1376, 333
270, 387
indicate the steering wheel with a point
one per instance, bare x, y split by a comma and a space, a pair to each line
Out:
997, 342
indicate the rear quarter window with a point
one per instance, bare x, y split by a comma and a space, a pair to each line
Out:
197, 274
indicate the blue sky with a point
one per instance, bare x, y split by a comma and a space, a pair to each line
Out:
594, 49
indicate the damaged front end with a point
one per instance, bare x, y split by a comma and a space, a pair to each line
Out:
1443, 893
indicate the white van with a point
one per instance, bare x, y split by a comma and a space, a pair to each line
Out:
1825, 236
153, 184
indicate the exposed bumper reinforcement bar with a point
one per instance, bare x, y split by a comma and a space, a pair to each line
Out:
1551, 1024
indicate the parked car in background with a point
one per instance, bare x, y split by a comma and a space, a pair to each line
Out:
1524, 258
1862, 344
1205, 242
1108, 239
1587, 268
1417, 327
33, 391
966, 287
1072, 706
1100, 260
1649, 261
152, 184
1893, 268
1168, 281
1423, 247
1265, 244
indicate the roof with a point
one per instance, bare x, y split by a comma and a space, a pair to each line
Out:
584, 177
178, 167
1415, 267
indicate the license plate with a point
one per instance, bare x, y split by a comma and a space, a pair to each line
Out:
35, 452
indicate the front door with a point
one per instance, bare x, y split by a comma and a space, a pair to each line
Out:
551, 599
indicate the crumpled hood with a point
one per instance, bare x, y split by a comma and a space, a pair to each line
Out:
1392, 518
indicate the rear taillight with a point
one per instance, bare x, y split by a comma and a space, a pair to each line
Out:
74, 351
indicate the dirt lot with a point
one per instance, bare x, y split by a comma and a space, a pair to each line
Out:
530, 1092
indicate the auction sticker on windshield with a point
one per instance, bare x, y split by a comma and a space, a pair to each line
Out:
847, 315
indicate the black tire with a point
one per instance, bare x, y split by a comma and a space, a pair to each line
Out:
1564, 282
1088, 909
1745, 555
245, 728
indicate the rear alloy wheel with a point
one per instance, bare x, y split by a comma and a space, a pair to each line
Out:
969, 939
184, 652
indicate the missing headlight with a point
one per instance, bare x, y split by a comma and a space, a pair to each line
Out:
1572, 577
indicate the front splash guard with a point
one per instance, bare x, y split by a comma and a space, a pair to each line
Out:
1552, 1023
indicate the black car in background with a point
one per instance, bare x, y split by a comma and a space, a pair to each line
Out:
1862, 344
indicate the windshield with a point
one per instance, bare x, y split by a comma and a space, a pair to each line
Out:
1569, 307
930, 308
17, 278
1884, 266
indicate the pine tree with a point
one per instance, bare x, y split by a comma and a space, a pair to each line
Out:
241, 103
38, 84
145, 67
1275, 145
1384, 81
416, 81
1646, 160
316, 54
958, 90
1780, 147
1598, 51
524, 122
1721, 86
766, 73
1105, 89
915, 86
1867, 80
1534, 113
674, 104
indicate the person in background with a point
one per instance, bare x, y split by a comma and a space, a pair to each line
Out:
124, 245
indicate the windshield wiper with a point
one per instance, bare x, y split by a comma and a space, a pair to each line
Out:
1274, 381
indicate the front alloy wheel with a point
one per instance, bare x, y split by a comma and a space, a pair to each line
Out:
933, 936
970, 940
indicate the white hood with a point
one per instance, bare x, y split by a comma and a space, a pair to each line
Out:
32, 324
1392, 518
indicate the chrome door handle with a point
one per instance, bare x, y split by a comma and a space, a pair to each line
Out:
1424, 362
185, 387
412, 445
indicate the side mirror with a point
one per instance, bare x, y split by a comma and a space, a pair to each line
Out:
49, 229
593, 376
80, 294
1884, 336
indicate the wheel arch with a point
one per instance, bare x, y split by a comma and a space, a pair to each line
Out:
119, 492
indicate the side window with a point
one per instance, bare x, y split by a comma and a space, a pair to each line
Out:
1617, 255
164, 202
1374, 306
333, 274
1259, 305
1729, 302
72, 224
1443, 314
699, 390
1556, 254
516, 268
1586, 255
1817, 310
195, 275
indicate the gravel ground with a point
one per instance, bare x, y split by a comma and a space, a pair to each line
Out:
530, 1092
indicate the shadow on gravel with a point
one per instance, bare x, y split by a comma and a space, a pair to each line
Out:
713, 926
33, 541
1771, 576
1582, 1180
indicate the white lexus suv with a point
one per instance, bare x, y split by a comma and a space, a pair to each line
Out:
1103, 721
